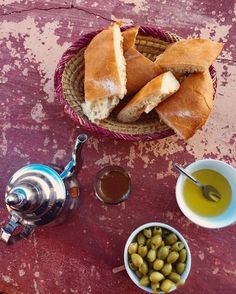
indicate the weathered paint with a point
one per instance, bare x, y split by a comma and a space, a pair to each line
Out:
80, 256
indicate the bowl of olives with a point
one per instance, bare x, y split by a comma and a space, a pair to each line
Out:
157, 258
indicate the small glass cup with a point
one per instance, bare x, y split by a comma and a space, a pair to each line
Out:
112, 184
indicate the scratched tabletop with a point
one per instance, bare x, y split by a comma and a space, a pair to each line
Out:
79, 256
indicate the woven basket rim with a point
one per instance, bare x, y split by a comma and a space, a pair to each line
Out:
83, 42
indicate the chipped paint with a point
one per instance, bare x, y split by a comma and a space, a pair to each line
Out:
215, 136
229, 271
59, 155
20, 153
213, 30
8, 2
215, 271
138, 5
25, 72
90, 245
37, 113
6, 278
102, 218
150, 151
41, 46
108, 160
21, 272
4, 143
211, 250
95, 4
201, 255
46, 142
3, 80
36, 287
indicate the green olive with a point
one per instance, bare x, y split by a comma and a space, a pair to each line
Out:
155, 287
171, 239
177, 246
155, 277
158, 264
167, 285
143, 268
163, 252
165, 233
180, 267
147, 233
167, 269
133, 247
182, 255
174, 277
144, 281
142, 250
172, 257
132, 266
158, 259
141, 239
157, 231
136, 259
156, 241
138, 274
151, 256
148, 243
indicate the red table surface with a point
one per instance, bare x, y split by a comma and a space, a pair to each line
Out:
79, 256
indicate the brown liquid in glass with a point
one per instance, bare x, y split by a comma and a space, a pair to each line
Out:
114, 185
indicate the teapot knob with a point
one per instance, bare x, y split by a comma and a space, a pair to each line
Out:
26, 194
13, 199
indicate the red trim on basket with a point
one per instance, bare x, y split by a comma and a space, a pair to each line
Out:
84, 122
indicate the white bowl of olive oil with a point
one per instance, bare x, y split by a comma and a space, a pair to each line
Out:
195, 206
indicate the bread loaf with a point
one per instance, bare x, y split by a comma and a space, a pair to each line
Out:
105, 74
189, 56
139, 70
188, 109
129, 37
157, 90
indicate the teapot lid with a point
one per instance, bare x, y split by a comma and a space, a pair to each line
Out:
35, 194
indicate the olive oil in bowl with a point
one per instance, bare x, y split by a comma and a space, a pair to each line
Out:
195, 200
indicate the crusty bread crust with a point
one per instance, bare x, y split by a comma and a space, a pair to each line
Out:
129, 37
105, 74
155, 91
188, 109
139, 70
189, 56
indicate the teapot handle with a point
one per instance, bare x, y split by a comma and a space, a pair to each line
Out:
8, 230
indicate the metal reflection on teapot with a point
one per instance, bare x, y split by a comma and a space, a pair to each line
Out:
38, 195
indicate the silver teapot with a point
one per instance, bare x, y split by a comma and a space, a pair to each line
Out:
39, 194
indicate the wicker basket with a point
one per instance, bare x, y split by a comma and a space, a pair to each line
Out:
69, 82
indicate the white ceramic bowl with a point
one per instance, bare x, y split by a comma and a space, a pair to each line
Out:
225, 219
132, 275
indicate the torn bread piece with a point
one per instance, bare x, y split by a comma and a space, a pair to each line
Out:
129, 37
157, 90
188, 109
189, 56
139, 70
105, 74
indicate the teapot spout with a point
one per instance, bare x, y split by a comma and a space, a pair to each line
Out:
74, 164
